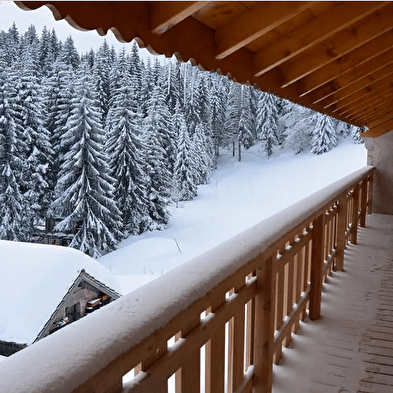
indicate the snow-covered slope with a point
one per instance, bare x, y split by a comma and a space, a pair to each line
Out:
33, 280
240, 194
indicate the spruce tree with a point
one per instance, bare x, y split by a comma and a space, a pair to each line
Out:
125, 149
87, 201
324, 135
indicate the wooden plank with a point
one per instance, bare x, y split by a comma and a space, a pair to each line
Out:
188, 379
357, 86
383, 116
290, 302
316, 268
215, 354
340, 44
253, 24
345, 80
341, 228
348, 62
381, 129
264, 328
363, 203
312, 33
360, 104
238, 348
355, 209
164, 15
372, 112
370, 191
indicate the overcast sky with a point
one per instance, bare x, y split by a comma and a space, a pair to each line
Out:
84, 40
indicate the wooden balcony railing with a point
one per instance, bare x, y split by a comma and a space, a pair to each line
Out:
240, 302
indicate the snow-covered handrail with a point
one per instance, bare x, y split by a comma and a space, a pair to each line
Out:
233, 282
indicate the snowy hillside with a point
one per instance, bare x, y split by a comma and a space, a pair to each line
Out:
239, 195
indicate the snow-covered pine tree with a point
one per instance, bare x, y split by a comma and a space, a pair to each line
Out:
125, 149
158, 141
218, 93
87, 202
101, 70
297, 124
232, 117
324, 134
69, 54
202, 144
185, 171
39, 151
12, 150
245, 126
267, 122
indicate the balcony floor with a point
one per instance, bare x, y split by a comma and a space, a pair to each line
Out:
350, 349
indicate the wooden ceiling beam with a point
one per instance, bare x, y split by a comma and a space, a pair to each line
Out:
380, 129
374, 113
363, 106
348, 78
382, 118
368, 91
300, 40
360, 84
369, 113
339, 45
255, 23
347, 63
164, 15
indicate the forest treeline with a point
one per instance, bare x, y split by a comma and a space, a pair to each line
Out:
107, 141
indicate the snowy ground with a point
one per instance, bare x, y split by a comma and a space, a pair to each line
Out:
239, 195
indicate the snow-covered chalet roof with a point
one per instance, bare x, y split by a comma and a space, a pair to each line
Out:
34, 279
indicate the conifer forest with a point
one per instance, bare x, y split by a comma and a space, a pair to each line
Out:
107, 142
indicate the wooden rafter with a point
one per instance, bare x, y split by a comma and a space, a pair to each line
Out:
319, 29
336, 58
254, 24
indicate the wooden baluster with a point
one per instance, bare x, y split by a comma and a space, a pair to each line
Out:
363, 203
341, 228
355, 215
299, 259
264, 327
280, 306
250, 333
215, 355
316, 268
188, 377
289, 290
238, 347
161, 350
230, 350
370, 181
306, 274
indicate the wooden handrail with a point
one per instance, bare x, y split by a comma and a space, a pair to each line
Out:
254, 290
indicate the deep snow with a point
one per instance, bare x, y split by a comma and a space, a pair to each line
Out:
240, 194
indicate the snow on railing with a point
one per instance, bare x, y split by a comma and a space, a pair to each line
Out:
254, 288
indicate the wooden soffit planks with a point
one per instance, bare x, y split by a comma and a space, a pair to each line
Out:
333, 57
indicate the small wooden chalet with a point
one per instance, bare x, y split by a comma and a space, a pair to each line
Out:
57, 290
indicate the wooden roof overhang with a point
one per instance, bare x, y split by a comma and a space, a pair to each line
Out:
333, 57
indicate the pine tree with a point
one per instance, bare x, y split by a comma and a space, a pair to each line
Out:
297, 123
87, 201
13, 204
125, 149
184, 172
232, 117
39, 152
324, 134
69, 54
267, 123
245, 135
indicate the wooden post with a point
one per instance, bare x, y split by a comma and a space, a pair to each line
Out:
264, 328
370, 193
363, 203
316, 268
355, 215
215, 355
188, 378
341, 228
